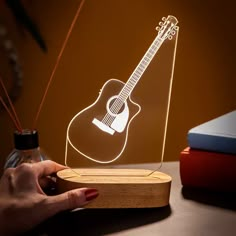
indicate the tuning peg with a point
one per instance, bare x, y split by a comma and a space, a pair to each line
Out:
169, 37
157, 28
161, 23
172, 32
163, 18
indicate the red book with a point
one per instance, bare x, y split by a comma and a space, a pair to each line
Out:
209, 170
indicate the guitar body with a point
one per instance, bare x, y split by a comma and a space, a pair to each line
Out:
100, 131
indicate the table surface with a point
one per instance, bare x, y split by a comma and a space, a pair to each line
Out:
191, 212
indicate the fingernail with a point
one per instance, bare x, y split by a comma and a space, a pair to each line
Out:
91, 193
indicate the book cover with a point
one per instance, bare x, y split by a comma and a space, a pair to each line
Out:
211, 170
217, 135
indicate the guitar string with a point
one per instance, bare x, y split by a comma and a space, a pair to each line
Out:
108, 119
133, 81
115, 108
119, 101
117, 105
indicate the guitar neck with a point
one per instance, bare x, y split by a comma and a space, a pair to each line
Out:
140, 69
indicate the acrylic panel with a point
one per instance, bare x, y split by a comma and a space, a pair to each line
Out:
129, 118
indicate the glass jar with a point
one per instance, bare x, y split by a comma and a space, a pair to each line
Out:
26, 149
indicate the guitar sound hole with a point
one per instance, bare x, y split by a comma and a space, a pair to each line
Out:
116, 106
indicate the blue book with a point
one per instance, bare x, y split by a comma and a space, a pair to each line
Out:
217, 135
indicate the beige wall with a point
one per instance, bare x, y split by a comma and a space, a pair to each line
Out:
108, 40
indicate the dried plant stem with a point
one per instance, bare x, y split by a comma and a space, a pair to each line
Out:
12, 115
57, 61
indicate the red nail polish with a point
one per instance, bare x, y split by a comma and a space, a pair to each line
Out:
90, 194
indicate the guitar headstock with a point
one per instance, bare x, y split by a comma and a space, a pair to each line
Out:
167, 27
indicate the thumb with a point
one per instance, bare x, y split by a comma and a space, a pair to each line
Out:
70, 200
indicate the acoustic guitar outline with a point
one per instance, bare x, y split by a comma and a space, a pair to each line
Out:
117, 116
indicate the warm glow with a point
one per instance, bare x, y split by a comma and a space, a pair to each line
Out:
100, 131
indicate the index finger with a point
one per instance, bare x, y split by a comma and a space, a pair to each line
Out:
45, 168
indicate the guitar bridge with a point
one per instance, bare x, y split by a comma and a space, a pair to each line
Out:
103, 126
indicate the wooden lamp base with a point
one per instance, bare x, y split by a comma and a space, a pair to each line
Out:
119, 188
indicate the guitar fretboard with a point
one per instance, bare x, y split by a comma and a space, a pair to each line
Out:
140, 69
166, 31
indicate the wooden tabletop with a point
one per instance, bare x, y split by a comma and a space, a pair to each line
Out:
191, 212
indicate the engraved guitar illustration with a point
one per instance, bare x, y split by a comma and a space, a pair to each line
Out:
100, 131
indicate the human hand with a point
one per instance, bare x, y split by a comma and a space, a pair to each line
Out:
23, 204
